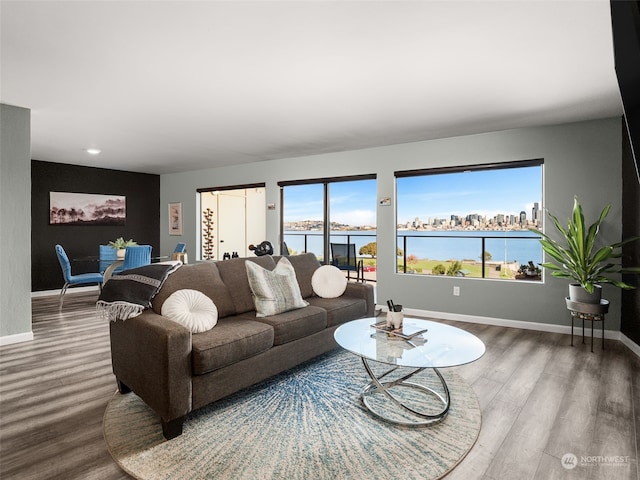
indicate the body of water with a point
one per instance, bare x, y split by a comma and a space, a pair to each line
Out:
436, 245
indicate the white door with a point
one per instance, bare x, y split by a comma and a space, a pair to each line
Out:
232, 236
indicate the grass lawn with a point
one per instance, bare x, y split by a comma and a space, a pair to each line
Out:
473, 268
425, 267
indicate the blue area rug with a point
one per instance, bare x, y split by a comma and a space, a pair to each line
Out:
307, 423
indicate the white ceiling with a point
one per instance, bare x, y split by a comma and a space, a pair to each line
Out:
166, 86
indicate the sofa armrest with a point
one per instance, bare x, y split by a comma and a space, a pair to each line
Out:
362, 290
151, 355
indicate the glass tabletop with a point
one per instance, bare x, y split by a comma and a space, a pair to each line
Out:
440, 346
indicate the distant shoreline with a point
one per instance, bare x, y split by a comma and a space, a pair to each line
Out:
366, 230
505, 246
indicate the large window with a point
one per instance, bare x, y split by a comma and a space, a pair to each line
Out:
471, 221
316, 213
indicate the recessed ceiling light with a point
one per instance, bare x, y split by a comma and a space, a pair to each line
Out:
93, 151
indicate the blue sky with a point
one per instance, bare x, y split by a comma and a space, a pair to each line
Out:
351, 203
485, 192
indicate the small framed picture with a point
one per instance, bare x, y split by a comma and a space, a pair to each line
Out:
175, 219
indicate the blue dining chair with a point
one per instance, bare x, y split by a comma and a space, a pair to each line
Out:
108, 255
70, 279
137, 256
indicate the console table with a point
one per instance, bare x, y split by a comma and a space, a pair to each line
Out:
594, 312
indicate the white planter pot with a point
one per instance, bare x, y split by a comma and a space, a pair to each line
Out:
579, 294
120, 253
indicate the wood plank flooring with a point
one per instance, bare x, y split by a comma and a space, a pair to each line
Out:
540, 400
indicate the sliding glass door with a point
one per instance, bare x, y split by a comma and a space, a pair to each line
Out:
316, 213
303, 218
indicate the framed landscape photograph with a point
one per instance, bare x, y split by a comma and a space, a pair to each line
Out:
87, 209
175, 219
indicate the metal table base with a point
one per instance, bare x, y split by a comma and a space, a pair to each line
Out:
379, 387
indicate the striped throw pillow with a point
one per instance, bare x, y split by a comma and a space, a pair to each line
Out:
274, 291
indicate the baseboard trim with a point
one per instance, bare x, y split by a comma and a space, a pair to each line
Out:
49, 293
503, 322
541, 327
17, 338
630, 344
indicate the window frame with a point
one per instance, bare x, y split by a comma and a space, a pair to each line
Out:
325, 182
536, 162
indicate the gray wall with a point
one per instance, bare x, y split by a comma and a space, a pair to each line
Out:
579, 158
15, 224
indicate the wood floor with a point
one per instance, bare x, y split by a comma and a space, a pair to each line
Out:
540, 399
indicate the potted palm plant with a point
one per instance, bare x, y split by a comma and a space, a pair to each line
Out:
577, 257
120, 244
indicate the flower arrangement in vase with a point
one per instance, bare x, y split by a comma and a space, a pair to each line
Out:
120, 244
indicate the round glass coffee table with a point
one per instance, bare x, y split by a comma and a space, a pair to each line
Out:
431, 345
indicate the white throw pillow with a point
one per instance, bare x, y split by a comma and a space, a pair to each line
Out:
274, 291
192, 309
328, 282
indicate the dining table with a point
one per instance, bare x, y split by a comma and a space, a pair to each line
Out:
108, 267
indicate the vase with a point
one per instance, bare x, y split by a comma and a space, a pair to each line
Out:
394, 319
577, 293
120, 253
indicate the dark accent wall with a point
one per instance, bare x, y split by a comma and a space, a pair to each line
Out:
630, 315
142, 193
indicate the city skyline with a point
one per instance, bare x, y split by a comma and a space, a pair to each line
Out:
486, 193
483, 192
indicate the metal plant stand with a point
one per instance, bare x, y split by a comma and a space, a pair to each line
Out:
592, 312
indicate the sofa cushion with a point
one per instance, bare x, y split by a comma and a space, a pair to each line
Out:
328, 282
340, 310
294, 324
234, 275
232, 340
191, 308
304, 265
203, 277
274, 291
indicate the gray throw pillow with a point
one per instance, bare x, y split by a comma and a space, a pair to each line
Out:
274, 291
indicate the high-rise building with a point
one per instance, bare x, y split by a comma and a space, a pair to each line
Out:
535, 214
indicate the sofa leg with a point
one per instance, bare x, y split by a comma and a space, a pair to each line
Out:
172, 428
122, 388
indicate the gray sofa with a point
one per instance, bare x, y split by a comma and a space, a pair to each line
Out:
175, 371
